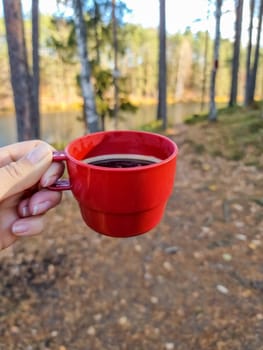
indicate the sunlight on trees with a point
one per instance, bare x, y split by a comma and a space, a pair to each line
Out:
125, 69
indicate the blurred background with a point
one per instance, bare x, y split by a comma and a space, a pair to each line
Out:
145, 61
191, 70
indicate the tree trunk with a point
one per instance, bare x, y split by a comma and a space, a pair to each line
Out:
115, 69
20, 77
249, 47
236, 53
162, 106
35, 78
97, 20
90, 114
204, 72
213, 110
204, 78
253, 74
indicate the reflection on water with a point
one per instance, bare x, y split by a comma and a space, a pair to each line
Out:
63, 127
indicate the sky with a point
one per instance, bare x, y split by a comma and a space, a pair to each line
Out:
183, 13
179, 15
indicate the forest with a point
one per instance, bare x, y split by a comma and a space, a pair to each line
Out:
126, 61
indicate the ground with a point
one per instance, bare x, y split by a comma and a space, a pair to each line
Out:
195, 282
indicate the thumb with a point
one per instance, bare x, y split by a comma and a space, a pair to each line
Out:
22, 174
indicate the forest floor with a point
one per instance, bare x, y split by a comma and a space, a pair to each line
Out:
193, 283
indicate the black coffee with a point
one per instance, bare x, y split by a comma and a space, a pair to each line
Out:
122, 161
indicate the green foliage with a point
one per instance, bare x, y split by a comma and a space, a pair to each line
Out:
62, 41
154, 126
127, 106
104, 95
196, 118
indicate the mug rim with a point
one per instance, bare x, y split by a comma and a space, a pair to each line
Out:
97, 167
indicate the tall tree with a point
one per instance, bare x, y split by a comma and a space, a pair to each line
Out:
20, 77
236, 53
218, 14
35, 69
249, 49
253, 71
90, 113
97, 18
204, 75
115, 68
162, 104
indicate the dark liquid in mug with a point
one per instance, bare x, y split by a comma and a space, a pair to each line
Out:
122, 161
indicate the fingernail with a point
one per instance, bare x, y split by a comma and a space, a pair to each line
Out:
41, 208
38, 153
25, 211
20, 228
49, 181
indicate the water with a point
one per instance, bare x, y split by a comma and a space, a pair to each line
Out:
62, 127
56, 128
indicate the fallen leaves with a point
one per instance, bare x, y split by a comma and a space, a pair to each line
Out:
195, 282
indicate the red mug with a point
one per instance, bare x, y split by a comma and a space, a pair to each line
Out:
122, 180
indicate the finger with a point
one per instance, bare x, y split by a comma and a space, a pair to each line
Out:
7, 240
26, 171
53, 173
12, 153
7, 219
39, 203
23, 208
30, 226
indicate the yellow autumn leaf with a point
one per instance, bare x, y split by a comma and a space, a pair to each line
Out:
252, 246
206, 167
212, 187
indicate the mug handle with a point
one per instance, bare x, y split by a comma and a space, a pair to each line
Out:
61, 184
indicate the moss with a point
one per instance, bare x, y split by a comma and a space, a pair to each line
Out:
236, 155
199, 148
256, 126
217, 153
238, 135
196, 118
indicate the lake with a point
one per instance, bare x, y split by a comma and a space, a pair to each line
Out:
62, 127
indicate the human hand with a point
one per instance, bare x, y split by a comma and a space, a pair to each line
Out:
26, 168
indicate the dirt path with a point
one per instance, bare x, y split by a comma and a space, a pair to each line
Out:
195, 282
